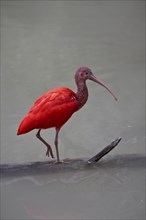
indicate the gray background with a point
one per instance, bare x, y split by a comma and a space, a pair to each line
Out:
42, 45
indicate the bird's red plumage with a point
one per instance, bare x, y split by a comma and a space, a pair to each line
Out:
52, 109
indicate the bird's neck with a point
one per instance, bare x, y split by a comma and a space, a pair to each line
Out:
82, 93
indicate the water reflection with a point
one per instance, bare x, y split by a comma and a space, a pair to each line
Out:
82, 189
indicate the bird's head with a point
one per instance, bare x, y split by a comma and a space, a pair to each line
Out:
84, 73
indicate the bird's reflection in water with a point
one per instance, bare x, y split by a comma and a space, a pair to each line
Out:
49, 195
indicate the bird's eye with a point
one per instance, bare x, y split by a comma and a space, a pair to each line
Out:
86, 73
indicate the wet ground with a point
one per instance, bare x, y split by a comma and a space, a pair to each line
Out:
42, 45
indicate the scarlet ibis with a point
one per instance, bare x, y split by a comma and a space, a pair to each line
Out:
56, 106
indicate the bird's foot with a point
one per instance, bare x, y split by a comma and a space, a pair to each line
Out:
49, 152
61, 162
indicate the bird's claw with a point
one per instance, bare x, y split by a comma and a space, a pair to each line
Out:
49, 152
61, 162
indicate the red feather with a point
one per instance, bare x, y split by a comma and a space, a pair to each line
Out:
52, 109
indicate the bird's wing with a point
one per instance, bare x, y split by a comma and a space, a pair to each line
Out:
52, 109
54, 98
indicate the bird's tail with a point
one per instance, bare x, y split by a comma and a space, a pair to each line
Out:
26, 125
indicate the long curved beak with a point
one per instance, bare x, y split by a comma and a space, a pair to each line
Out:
93, 78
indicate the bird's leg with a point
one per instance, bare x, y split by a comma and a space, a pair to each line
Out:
56, 145
49, 149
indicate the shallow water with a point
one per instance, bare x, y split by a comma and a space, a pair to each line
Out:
42, 45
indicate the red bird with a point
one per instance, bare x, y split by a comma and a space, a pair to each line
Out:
56, 106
